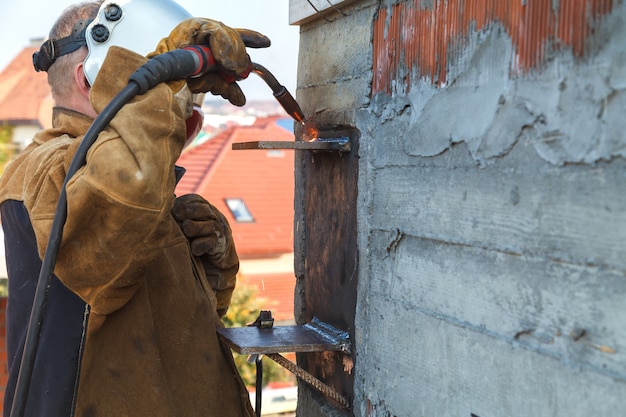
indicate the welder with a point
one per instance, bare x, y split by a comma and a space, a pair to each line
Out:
142, 277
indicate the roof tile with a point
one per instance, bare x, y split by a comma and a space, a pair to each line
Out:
22, 89
264, 179
275, 293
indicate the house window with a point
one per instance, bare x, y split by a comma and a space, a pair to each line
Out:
239, 210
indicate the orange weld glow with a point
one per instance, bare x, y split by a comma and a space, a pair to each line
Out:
309, 132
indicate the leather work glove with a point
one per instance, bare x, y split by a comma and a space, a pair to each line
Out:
211, 241
228, 47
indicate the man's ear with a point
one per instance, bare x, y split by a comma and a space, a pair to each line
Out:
81, 81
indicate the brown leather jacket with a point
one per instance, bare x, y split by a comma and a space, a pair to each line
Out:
151, 346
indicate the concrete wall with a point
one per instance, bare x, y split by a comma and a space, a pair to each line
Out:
334, 74
491, 204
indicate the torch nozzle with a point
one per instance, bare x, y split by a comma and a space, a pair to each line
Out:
281, 94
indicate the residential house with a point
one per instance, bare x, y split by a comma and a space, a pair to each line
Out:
254, 189
25, 100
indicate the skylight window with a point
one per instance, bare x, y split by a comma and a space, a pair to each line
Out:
239, 210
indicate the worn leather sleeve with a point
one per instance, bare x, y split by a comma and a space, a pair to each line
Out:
119, 202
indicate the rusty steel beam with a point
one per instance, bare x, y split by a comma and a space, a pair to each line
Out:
341, 144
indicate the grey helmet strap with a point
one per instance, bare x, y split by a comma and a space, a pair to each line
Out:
53, 49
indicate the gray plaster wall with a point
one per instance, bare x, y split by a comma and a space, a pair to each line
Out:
492, 226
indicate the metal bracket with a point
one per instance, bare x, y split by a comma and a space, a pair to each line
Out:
312, 337
315, 336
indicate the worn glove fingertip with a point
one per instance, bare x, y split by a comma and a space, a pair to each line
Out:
178, 212
235, 95
238, 101
206, 245
253, 39
198, 248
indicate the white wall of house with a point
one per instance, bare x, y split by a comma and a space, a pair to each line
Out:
280, 264
23, 134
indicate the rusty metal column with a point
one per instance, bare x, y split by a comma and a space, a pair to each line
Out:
326, 250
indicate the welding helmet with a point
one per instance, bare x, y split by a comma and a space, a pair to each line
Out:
136, 25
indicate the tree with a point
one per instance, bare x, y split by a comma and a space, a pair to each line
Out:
7, 148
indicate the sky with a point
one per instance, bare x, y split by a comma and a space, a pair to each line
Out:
25, 20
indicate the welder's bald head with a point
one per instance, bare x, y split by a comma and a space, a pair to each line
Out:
58, 62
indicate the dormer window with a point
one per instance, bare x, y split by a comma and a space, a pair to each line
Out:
239, 210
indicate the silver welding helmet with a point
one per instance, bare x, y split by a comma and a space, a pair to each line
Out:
137, 25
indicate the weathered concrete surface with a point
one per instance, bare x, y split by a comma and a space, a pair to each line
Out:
544, 108
334, 69
494, 291
442, 369
491, 225
333, 84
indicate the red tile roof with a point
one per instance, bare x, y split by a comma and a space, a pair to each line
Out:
23, 91
201, 160
264, 179
274, 292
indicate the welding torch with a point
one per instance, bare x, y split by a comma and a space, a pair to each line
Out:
281, 94
206, 63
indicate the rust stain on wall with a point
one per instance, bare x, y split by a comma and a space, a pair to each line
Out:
425, 36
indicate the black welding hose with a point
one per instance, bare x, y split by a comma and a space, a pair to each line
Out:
174, 65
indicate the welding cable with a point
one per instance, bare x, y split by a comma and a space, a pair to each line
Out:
174, 65
259, 385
